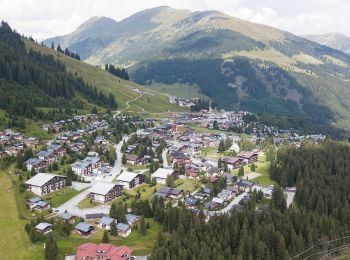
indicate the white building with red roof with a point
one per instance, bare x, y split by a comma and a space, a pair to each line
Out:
93, 251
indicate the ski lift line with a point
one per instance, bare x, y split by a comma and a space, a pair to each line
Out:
313, 246
330, 251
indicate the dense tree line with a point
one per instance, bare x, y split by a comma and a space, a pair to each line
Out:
116, 71
29, 79
200, 104
274, 234
321, 175
65, 52
320, 213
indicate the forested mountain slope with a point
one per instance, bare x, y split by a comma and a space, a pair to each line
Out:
238, 64
34, 77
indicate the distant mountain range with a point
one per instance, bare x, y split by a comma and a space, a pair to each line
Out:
334, 40
237, 64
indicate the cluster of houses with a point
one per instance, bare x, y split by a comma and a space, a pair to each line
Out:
58, 126
99, 220
45, 157
183, 102
13, 142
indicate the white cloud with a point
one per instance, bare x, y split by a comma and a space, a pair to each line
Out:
42, 18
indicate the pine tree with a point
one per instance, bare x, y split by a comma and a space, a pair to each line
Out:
113, 211
114, 230
105, 238
124, 159
50, 248
252, 167
221, 146
142, 227
241, 171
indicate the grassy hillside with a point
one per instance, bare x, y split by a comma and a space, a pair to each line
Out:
106, 82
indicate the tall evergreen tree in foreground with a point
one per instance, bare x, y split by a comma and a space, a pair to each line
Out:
105, 238
50, 248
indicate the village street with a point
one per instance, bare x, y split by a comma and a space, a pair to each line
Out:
71, 206
235, 201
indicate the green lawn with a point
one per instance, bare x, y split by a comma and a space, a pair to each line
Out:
59, 197
14, 242
187, 184
212, 153
136, 167
87, 203
262, 167
129, 195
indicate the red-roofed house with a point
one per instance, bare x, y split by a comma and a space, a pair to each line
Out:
93, 251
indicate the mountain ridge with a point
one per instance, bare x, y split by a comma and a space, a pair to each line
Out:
254, 67
334, 40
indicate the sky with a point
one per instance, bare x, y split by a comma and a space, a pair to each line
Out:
47, 18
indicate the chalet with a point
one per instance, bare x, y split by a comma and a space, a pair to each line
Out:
144, 160
44, 183
31, 203
132, 219
102, 251
162, 174
213, 171
123, 229
105, 192
226, 195
43, 228
132, 158
77, 147
233, 162
36, 165
191, 202
48, 156
180, 158
192, 172
57, 149
105, 222
130, 180
248, 157
68, 217
176, 193
244, 185
42, 205
200, 196
84, 228
217, 201
100, 140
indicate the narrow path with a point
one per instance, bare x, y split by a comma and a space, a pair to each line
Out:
128, 103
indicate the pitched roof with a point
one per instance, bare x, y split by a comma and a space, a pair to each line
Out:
104, 251
102, 188
83, 226
122, 226
41, 178
43, 226
127, 176
106, 220
66, 216
162, 173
